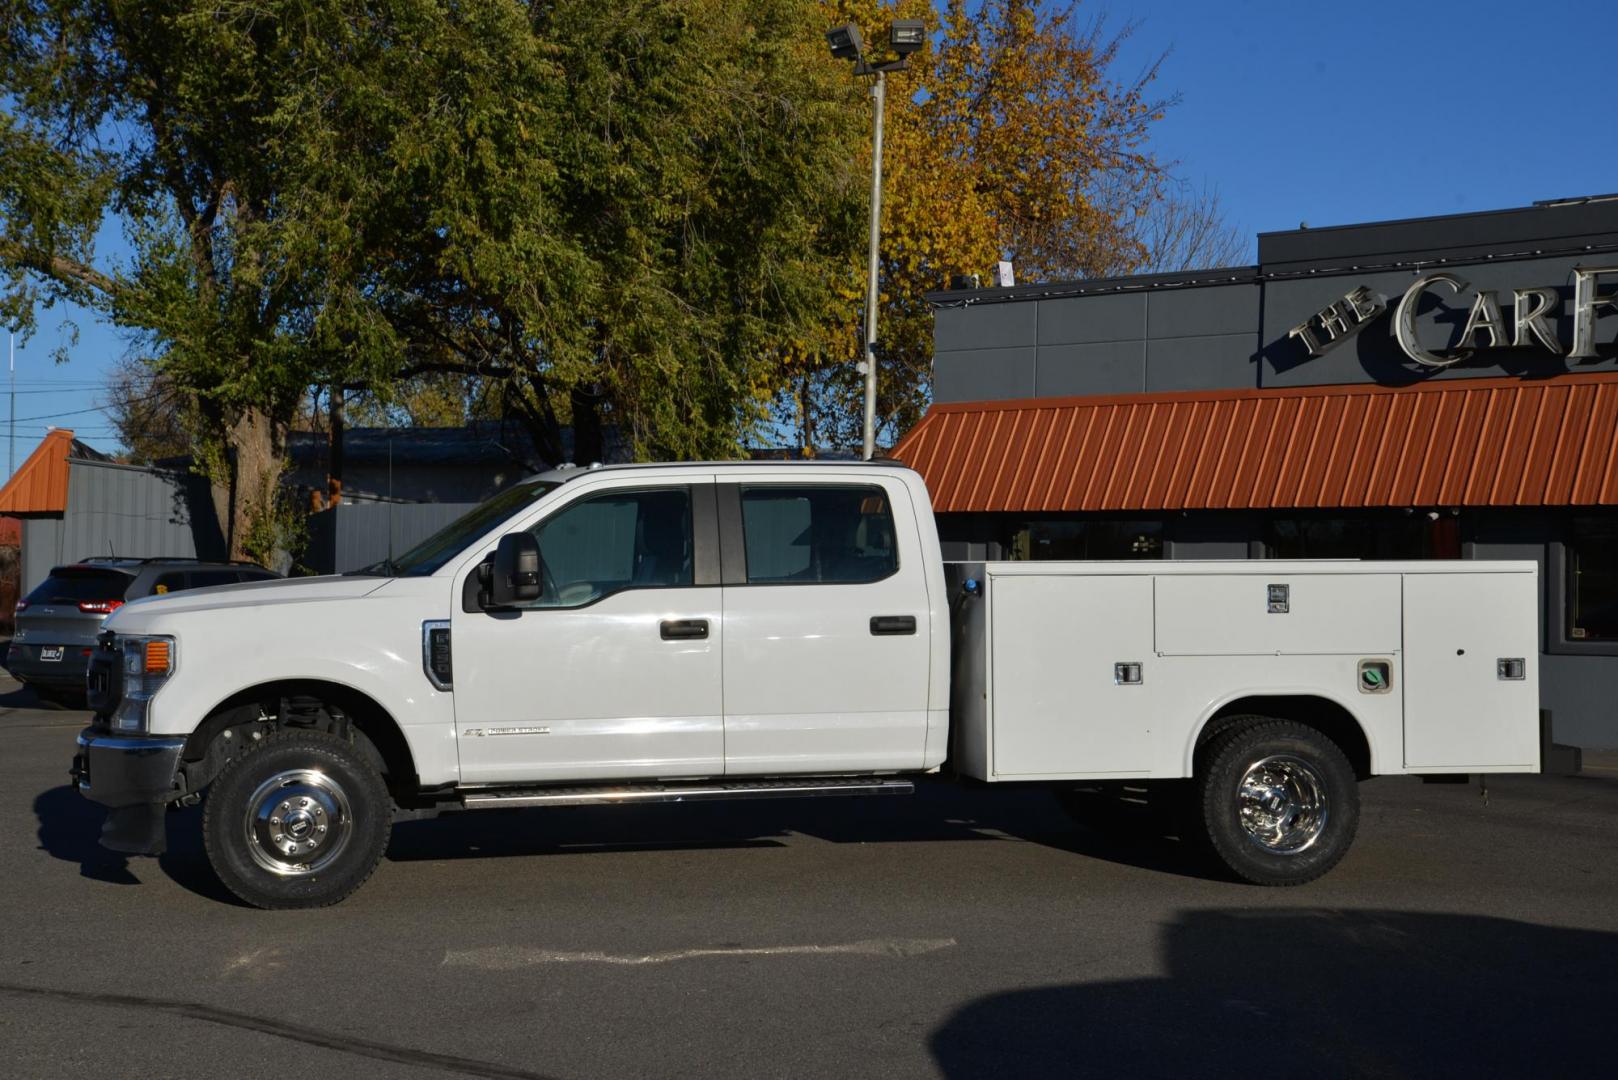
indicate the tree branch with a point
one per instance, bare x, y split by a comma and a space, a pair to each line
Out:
68, 271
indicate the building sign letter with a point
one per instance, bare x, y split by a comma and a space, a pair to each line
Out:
1485, 316
1404, 320
1530, 306
1339, 320
1585, 306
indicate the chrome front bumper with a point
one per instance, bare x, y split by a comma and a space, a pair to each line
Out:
135, 777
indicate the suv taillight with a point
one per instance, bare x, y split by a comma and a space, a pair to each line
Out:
100, 607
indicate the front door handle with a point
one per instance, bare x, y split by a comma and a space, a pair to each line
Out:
683, 629
885, 625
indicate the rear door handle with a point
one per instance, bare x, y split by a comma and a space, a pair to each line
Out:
885, 625
683, 629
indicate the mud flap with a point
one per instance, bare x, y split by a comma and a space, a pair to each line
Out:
136, 830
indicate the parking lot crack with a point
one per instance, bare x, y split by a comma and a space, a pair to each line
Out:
309, 1036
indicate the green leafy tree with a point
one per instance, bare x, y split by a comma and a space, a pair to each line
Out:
617, 217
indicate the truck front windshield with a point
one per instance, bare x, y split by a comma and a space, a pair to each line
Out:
442, 546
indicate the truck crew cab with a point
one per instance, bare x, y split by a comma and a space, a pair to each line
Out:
741, 630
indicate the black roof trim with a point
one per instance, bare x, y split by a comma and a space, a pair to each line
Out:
1587, 225
1231, 275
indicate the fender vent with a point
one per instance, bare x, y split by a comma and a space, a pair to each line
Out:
436, 657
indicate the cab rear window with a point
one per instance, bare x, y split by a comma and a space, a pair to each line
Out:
73, 586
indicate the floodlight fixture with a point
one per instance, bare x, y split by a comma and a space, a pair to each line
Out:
845, 42
907, 35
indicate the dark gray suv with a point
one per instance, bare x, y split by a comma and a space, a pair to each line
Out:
57, 623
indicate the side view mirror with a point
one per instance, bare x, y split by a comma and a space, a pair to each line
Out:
515, 575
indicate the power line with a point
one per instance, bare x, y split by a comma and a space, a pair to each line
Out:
92, 409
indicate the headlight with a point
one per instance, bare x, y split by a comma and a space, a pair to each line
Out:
148, 662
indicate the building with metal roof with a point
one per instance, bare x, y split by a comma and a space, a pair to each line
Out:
1442, 387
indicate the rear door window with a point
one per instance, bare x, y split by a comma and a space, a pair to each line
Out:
822, 534
202, 579
72, 586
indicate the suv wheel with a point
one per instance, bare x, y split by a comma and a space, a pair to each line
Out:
301, 820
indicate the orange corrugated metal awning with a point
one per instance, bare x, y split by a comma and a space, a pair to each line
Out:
1472, 442
40, 485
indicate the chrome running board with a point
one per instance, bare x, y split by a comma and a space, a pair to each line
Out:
698, 791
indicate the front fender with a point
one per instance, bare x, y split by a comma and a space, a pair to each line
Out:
370, 646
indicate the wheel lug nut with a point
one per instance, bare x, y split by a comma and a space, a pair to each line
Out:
305, 802
275, 821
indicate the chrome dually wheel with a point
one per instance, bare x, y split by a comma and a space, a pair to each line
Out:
297, 822
1278, 800
1282, 804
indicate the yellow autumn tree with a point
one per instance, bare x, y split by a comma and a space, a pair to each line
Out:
1009, 137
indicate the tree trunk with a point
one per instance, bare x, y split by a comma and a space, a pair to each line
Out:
245, 498
587, 441
334, 478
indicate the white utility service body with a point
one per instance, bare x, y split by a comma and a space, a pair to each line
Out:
1038, 694
672, 632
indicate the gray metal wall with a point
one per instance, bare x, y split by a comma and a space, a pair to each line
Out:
353, 535
1227, 329
1199, 338
117, 510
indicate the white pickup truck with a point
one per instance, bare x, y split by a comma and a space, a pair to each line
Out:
648, 633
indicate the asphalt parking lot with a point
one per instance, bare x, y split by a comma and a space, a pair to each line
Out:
957, 933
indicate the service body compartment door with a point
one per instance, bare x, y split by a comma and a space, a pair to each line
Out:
1230, 614
1460, 714
1058, 710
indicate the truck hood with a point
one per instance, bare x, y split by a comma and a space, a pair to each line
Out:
135, 615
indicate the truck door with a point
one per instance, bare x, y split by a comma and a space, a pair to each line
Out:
827, 637
614, 672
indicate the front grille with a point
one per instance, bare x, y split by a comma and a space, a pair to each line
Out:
104, 681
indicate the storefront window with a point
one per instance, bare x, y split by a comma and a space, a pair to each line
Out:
1084, 539
1592, 580
1407, 536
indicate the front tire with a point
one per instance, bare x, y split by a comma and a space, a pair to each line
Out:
299, 821
1279, 801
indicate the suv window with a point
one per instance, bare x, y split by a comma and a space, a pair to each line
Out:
824, 534
70, 586
168, 583
618, 540
201, 579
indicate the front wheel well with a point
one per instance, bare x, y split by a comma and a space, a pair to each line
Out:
1323, 714
312, 703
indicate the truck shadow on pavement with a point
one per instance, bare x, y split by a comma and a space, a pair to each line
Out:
1323, 993
70, 830
937, 812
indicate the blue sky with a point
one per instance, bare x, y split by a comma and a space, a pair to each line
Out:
1304, 111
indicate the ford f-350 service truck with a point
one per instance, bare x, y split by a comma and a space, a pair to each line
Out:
702, 631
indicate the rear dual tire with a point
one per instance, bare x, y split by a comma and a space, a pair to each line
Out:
1274, 802
301, 820
1277, 801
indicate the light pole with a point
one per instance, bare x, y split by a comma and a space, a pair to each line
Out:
11, 359
905, 36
